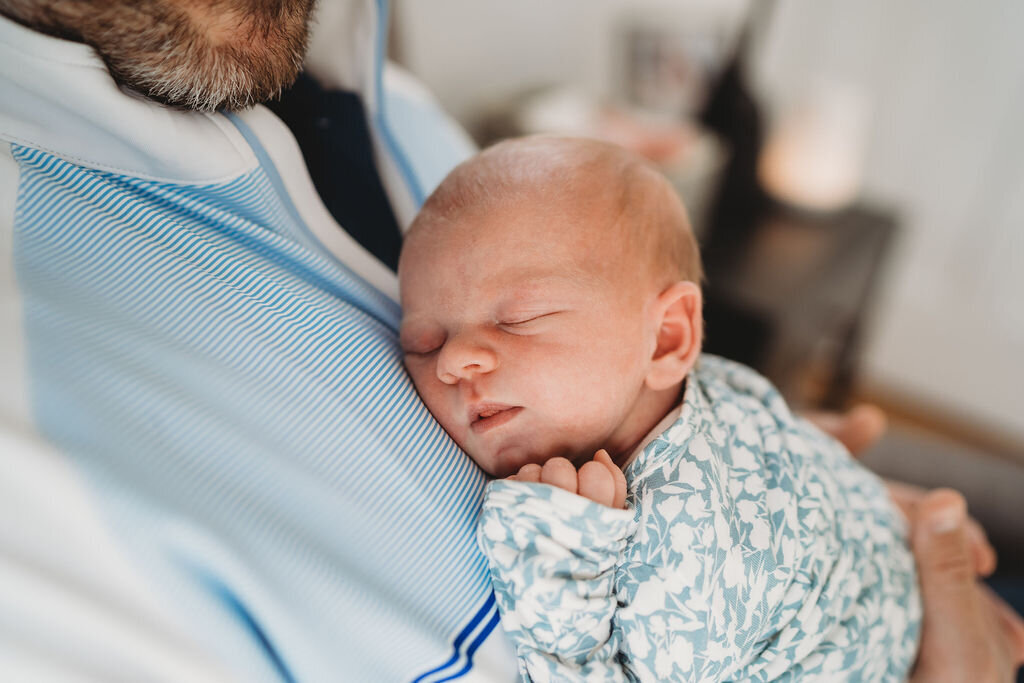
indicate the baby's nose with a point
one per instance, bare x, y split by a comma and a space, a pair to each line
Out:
463, 358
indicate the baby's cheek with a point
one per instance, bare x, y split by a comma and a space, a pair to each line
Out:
578, 400
437, 407
427, 386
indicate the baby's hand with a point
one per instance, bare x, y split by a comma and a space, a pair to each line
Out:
599, 480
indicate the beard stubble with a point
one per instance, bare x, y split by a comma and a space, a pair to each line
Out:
191, 54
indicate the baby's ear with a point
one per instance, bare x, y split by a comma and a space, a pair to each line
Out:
678, 313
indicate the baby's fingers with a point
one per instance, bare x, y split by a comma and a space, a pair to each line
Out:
530, 472
619, 479
559, 472
597, 483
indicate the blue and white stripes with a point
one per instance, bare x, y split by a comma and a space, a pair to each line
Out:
239, 397
466, 643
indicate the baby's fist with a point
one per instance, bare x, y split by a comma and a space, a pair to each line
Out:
599, 480
602, 481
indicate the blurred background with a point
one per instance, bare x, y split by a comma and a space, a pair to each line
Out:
855, 174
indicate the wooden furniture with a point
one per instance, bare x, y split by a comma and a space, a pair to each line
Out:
793, 301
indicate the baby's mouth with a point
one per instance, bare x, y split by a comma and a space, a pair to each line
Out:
488, 416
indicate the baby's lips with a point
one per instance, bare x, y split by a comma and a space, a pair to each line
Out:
492, 417
483, 410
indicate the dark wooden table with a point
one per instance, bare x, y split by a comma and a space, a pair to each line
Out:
795, 298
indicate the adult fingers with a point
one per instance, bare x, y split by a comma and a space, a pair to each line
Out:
954, 639
1011, 626
907, 497
942, 549
858, 428
982, 551
561, 473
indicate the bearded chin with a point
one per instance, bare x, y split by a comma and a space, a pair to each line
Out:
252, 51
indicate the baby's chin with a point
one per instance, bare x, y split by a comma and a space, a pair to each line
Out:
505, 462
500, 466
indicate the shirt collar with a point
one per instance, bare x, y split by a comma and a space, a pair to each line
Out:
59, 97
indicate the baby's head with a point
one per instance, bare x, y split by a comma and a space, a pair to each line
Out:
550, 289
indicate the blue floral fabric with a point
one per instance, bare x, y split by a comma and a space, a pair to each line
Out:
752, 547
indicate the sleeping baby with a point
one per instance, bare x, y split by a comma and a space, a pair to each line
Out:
658, 514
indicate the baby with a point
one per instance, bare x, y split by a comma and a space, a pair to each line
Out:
550, 288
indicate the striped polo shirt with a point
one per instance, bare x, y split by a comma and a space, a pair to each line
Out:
211, 366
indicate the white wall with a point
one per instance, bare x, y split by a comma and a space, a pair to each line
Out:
476, 53
946, 146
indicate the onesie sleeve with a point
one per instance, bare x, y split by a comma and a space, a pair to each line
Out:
553, 557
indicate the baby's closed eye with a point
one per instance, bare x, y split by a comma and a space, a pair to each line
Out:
523, 322
420, 341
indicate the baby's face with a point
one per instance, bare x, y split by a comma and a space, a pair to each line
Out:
527, 336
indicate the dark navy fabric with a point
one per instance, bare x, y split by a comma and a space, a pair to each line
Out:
330, 127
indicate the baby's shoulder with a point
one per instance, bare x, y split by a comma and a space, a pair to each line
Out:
736, 436
730, 416
748, 418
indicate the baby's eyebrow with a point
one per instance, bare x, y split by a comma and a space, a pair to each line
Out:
528, 283
540, 296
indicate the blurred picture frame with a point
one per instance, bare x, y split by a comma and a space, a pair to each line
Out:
669, 57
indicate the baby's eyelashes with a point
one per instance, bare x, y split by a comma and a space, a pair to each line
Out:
525, 321
518, 321
419, 351
419, 339
420, 354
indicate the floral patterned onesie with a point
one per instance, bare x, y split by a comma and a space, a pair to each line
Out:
752, 548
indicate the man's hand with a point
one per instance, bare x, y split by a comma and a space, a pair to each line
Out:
908, 499
859, 428
600, 480
968, 633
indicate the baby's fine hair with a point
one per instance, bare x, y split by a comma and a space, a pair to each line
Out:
562, 171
